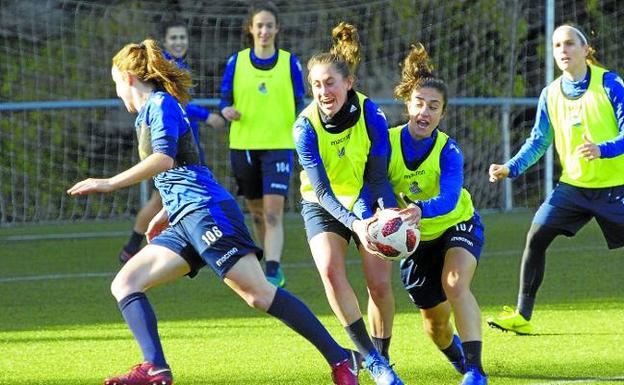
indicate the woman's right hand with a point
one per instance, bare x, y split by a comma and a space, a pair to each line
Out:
498, 172
157, 225
360, 228
231, 113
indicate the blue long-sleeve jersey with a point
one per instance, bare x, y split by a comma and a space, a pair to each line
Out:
296, 75
163, 128
376, 184
542, 133
451, 171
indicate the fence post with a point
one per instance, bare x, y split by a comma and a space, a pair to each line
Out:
144, 192
550, 26
507, 195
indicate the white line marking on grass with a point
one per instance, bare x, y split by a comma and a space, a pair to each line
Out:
53, 276
291, 265
38, 237
588, 380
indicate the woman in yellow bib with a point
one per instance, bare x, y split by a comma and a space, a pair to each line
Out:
583, 111
342, 142
262, 91
426, 169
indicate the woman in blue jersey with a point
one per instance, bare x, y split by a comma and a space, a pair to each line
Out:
200, 223
426, 169
342, 142
176, 42
583, 111
262, 92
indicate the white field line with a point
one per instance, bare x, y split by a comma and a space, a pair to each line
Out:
589, 380
39, 237
292, 265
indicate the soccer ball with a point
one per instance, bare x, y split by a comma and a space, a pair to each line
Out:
394, 238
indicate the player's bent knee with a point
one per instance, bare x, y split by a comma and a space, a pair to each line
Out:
123, 285
456, 289
436, 327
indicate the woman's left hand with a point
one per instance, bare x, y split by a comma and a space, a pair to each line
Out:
588, 150
90, 185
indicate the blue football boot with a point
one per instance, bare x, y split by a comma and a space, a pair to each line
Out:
474, 376
379, 369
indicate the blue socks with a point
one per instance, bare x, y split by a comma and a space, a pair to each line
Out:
294, 313
141, 319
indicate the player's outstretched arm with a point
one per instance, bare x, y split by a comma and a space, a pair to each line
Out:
147, 168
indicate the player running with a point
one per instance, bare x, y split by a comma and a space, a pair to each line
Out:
176, 42
583, 112
200, 223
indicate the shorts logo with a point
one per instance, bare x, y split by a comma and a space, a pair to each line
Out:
227, 256
279, 186
462, 239
409, 275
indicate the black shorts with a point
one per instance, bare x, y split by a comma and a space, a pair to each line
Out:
317, 220
421, 272
262, 172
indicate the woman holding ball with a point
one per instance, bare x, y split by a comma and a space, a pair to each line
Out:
342, 142
426, 171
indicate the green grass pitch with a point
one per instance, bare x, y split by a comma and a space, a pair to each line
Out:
60, 325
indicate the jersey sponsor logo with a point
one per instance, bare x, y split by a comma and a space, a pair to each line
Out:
262, 88
338, 141
227, 256
414, 174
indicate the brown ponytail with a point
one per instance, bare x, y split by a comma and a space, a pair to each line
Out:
417, 72
147, 63
345, 53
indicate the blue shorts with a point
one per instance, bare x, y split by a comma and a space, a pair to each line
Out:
421, 272
262, 172
216, 236
568, 208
